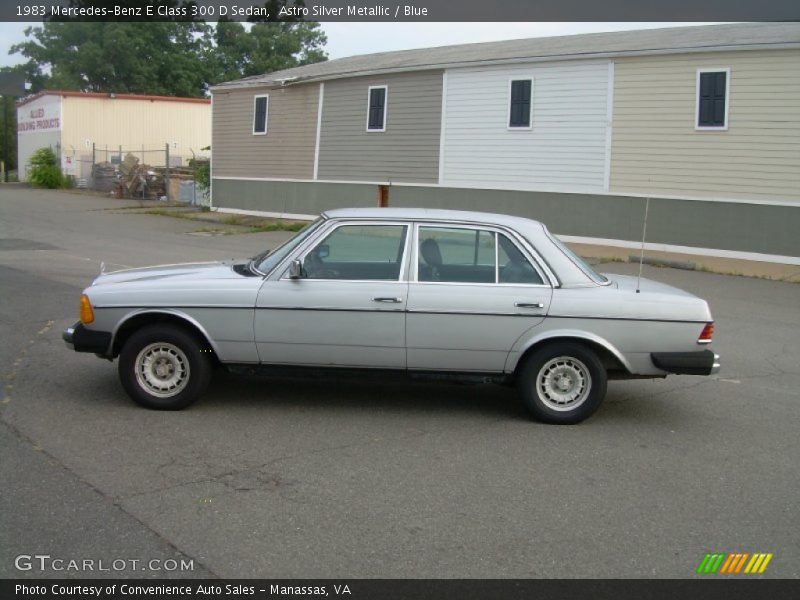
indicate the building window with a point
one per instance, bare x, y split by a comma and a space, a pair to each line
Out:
260, 112
376, 108
519, 106
712, 98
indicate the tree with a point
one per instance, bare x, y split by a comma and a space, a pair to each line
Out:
8, 123
155, 58
265, 48
178, 57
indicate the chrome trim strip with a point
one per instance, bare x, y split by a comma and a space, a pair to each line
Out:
716, 366
433, 312
171, 306
332, 309
623, 319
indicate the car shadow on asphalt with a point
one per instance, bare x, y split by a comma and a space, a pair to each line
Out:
625, 402
355, 395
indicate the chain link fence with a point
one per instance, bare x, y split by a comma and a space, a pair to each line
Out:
144, 173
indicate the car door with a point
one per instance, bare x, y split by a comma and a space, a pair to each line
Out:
347, 309
473, 293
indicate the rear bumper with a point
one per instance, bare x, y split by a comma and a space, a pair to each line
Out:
81, 339
704, 362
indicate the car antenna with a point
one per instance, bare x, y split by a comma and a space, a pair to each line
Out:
102, 267
644, 234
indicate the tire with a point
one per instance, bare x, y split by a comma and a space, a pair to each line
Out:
562, 383
164, 367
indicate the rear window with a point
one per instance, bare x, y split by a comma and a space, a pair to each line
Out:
584, 266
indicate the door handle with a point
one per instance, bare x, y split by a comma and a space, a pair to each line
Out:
392, 300
529, 305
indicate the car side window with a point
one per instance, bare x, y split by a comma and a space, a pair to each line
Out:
513, 267
456, 255
358, 252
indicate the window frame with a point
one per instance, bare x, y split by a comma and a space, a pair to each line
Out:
510, 127
385, 88
700, 71
534, 260
266, 114
326, 232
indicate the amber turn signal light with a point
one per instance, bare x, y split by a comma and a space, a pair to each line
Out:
87, 312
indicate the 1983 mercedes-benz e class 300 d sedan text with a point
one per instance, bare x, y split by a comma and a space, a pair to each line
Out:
423, 292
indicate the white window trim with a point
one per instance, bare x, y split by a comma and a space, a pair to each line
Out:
266, 116
508, 104
724, 126
385, 106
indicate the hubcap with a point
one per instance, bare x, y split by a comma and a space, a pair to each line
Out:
162, 369
563, 383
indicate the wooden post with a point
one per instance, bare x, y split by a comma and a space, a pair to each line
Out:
166, 172
383, 196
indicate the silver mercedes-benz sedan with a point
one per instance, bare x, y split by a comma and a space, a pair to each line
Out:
414, 292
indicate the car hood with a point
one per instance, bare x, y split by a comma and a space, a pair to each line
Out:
177, 272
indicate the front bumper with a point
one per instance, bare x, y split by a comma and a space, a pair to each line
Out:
703, 362
81, 339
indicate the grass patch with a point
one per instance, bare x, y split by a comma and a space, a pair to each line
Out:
248, 223
791, 278
598, 260
259, 224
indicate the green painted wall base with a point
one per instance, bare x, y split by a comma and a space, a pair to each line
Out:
735, 226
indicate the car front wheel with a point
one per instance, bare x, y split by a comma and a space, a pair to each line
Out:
562, 383
164, 367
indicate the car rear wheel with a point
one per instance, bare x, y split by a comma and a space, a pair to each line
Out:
562, 383
164, 367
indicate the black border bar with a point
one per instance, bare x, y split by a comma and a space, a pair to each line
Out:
401, 10
709, 587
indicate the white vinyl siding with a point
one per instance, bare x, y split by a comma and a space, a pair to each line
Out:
565, 147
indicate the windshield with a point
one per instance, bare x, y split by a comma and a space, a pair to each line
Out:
266, 261
585, 267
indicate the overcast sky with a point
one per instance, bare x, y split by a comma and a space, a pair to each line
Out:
347, 39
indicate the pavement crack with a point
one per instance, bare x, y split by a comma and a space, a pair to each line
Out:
226, 478
11, 374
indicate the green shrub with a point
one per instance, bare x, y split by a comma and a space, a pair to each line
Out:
44, 170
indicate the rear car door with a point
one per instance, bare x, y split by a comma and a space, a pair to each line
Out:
474, 291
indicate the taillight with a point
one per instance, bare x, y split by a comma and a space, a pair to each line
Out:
707, 334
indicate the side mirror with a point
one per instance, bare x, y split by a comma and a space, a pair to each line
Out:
295, 269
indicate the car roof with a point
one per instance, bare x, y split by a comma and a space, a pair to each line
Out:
430, 214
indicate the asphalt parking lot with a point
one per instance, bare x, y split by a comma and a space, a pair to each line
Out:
287, 478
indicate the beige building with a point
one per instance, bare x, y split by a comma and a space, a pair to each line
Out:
82, 127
